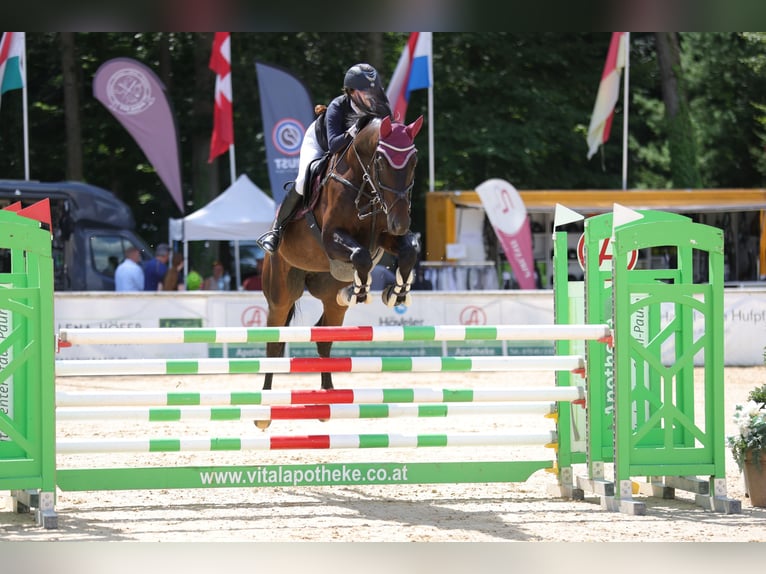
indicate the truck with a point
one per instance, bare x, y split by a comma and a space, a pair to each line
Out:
91, 228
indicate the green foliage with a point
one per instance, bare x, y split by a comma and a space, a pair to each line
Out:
750, 438
758, 395
510, 105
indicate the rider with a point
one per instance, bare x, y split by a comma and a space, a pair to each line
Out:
363, 95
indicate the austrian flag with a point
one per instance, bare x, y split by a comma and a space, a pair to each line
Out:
608, 92
11, 62
223, 123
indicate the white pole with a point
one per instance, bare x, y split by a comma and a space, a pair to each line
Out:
431, 154
232, 164
625, 114
187, 268
24, 106
232, 159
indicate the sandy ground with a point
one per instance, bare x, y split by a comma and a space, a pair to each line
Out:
428, 513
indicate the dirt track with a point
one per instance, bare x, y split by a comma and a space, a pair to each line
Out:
444, 513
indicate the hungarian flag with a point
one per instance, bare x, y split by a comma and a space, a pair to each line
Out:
11, 61
608, 92
223, 124
414, 71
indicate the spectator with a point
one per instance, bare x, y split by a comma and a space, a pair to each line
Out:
174, 278
219, 280
421, 282
382, 277
129, 276
155, 268
254, 280
193, 281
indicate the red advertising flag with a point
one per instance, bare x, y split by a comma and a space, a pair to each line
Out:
223, 124
508, 215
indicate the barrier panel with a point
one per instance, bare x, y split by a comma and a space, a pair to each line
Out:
27, 424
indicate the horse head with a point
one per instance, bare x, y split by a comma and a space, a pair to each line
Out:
394, 163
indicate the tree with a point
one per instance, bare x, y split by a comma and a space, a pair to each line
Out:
681, 137
71, 85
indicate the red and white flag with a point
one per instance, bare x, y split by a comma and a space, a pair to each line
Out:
608, 92
223, 123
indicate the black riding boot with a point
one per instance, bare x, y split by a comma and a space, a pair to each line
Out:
269, 241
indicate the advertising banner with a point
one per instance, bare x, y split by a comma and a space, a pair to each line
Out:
508, 215
136, 97
287, 112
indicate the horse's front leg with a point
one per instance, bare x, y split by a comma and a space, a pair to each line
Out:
406, 247
343, 247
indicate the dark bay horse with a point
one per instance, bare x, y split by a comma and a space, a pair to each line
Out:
363, 210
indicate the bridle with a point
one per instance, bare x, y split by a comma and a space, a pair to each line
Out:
370, 203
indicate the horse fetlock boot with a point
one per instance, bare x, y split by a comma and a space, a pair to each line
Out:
361, 290
346, 297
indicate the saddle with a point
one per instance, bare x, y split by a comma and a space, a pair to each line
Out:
314, 174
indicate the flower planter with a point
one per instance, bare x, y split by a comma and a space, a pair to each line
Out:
755, 479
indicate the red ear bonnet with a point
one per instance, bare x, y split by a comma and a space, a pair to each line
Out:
414, 127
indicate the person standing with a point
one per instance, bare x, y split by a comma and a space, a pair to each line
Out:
254, 280
156, 267
219, 280
174, 278
129, 276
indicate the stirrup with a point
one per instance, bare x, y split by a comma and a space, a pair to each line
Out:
269, 241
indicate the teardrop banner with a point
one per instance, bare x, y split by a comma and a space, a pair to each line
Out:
508, 215
137, 99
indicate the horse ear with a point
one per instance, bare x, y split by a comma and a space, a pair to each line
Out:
385, 127
414, 127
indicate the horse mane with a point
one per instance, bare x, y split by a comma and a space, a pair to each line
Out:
367, 139
360, 119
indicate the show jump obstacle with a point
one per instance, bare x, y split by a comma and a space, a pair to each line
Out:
626, 340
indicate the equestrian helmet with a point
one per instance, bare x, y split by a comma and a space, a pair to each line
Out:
361, 77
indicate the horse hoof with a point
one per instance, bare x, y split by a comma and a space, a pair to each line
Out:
345, 299
263, 425
389, 297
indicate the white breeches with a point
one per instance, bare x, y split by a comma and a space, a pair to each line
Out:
310, 150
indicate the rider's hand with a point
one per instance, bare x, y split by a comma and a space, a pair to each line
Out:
352, 131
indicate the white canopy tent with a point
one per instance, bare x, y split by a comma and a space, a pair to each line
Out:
241, 213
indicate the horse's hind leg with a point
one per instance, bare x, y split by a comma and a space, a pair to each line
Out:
324, 351
272, 350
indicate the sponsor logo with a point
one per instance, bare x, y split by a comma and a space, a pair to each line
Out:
604, 255
472, 315
287, 136
129, 92
254, 316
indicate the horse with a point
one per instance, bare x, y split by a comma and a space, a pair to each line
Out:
362, 211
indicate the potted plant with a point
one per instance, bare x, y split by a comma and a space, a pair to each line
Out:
748, 446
